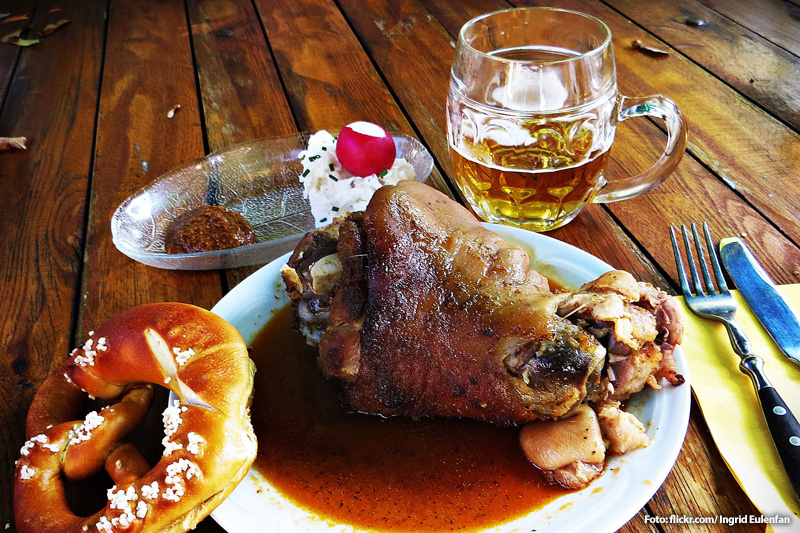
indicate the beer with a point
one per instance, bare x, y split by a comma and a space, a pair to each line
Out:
532, 111
529, 169
539, 199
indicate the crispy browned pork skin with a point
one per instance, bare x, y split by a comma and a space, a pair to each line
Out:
421, 311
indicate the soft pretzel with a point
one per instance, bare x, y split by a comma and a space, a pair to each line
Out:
209, 443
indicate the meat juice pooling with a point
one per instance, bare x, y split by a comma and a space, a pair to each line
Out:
532, 111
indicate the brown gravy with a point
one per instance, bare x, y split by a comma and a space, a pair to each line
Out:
376, 473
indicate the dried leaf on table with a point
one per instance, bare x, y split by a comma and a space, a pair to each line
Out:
14, 34
50, 28
13, 143
23, 42
15, 18
171, 112
649, 50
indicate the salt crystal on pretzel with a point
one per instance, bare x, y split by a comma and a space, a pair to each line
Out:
195, 441
150, 492
26, 472
87, 358
182, 356
209, 442
83, 432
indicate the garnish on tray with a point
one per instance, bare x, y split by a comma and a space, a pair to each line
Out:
340, 174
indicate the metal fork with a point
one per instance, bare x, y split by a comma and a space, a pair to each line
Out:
718, 304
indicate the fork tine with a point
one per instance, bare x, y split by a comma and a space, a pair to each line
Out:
687, 291
714, 255
701, 258
698, 284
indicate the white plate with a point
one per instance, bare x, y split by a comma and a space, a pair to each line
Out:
259, 179
605, 505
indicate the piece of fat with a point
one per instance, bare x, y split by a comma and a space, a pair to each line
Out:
325, 273
552, 444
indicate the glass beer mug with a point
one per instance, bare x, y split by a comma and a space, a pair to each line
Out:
532, 111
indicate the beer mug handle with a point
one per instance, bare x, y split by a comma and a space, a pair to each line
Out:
657, 106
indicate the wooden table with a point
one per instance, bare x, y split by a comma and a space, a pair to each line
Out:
93, 98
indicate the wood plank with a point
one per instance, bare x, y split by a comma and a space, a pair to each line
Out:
775, 20
322, 96
19, 15
692, 194
52, 101
759, 69
241, 90
329, 86
148, 69
397, 35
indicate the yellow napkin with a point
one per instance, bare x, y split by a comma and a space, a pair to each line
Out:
730, 405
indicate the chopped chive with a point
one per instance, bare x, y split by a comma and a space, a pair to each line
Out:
314, 158
334, 178
334, 208
305, 173
383, 173
331, 167
323, 219
325, 148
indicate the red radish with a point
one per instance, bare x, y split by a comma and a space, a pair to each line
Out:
364, 148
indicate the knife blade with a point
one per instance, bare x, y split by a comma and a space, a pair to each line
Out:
758, 290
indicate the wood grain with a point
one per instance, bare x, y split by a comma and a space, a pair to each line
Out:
19, 16
44, 193
761, 70
148, 70
397, 35
692, 194
241, 91
774, 19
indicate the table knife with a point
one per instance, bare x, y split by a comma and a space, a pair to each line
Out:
759, 292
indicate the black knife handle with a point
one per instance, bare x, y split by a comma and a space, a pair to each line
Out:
785, 432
